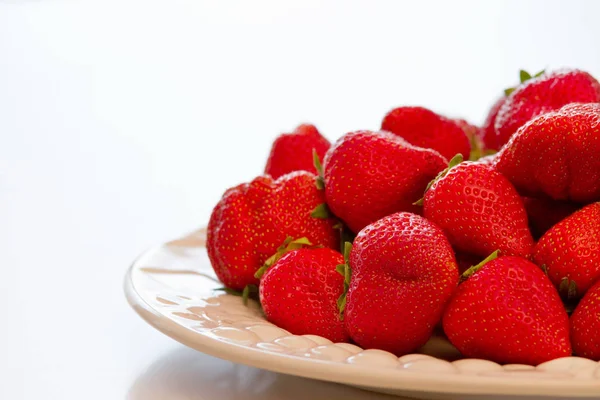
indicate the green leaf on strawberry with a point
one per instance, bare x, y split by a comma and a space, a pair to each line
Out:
319, 181
321, 212
346, 272
457, 159
288, 245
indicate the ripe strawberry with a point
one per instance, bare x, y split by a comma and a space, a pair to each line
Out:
507, 311
585, 325
488, 130
544, 213
479, 210
424, 128
542, 94
403, 272
472, 131
299, 293
369, 175
294, 151
556, 155
570, 252
252, 220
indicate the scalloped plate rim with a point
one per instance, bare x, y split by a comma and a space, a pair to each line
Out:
355, 375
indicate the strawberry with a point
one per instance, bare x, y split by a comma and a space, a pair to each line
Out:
544, 213
585, 325
422, 127
369, 175
479, 210
299, 293
252, 220
556, 155
507, 311
570, 252
472, 131
403, 272
542, 94
294, 151
488, 130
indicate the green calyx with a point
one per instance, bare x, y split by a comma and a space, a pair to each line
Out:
524, 76
288, 245
567, 289
346, 272
319, 181
321, 212
249, 291
457, 159
471, 271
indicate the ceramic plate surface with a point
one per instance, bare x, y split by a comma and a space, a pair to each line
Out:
172, 287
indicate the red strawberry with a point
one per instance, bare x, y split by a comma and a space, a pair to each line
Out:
294, 151
540, 95
585, 325
299, 293
544, 213
488, 130
253, 219
556, 155
507, 311
403, 272
422, 127
570, 252
369, 175
469, 129
479, 210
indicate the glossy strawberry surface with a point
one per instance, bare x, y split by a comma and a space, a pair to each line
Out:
369, 175
479, 210
253, 219
543, 94
510, 313
570, 252
299, 293
403, 273
294, 151
556, 155
585, 325
424, 128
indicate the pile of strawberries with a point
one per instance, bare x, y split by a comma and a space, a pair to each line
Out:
490, 234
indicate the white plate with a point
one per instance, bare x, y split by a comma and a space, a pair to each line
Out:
172, 288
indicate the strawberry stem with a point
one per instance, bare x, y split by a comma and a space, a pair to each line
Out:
469, 272
457, 159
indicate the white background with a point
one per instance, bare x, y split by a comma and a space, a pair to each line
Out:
122, 122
